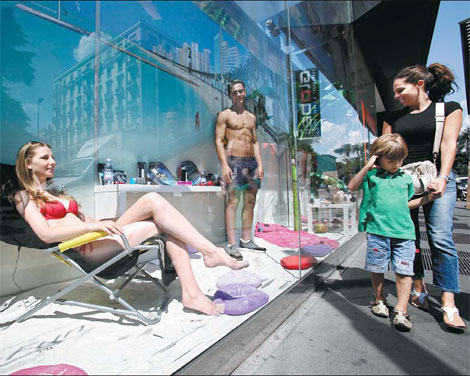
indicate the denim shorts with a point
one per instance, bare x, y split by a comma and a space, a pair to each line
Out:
382, 249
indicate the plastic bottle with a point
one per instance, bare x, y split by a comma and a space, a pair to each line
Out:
141, 167
203, 177
108, 172
184, 174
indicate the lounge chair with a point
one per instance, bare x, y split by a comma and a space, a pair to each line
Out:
126, 265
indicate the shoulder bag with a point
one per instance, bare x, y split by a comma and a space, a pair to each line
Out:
424, 172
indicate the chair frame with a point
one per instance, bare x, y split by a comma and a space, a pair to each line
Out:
128, 310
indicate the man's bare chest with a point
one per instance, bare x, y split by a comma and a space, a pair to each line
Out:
240, 123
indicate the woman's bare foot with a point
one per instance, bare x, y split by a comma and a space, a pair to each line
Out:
221, 258
202, 304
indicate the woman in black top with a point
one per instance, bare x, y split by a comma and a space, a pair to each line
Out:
418, 88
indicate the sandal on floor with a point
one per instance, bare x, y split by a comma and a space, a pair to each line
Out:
420, 300
449, 316
401, 321
379, 308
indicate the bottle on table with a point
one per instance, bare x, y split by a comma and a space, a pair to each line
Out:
108, 172
203, 178
184, 174
141, 172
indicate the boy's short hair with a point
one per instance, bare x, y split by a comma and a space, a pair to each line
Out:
232, 84
390, 146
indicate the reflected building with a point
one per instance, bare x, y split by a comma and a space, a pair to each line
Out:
128, 97
227, 59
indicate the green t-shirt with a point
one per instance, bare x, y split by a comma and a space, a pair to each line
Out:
384, 208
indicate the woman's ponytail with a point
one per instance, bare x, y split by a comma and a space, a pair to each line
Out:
442, 84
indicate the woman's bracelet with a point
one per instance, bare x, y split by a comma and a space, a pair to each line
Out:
445, 177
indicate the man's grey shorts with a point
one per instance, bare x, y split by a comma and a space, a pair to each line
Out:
382, 249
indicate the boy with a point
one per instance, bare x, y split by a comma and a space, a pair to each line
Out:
385, 216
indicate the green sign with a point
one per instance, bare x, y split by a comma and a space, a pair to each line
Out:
308, 104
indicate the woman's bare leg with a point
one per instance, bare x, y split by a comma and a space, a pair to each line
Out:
171, 221
101, 250
191, 295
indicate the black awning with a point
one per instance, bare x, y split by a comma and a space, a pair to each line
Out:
392, 35
387, 36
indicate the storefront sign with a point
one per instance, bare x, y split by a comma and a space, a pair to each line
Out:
308, 104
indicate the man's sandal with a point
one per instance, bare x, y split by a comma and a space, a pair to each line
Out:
420, 300
449, 316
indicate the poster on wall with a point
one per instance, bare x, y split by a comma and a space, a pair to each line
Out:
307, 93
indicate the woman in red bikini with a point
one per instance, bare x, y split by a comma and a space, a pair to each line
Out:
57, 217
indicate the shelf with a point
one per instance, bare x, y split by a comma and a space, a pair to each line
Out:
143, 188
111, 200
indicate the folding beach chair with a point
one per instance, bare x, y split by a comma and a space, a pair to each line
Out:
14, 230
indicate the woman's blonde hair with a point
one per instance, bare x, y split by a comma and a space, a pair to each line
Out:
390, 146
25, 176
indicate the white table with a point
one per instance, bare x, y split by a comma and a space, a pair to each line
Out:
349, 215
111, 200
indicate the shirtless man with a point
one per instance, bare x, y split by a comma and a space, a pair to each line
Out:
242, 169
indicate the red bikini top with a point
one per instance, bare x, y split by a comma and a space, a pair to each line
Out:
57, 210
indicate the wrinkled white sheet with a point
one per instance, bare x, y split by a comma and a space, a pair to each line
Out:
103, 343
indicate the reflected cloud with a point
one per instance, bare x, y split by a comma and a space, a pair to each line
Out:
336, 135
85, 47
151, 9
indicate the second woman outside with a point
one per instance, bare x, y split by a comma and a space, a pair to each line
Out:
55, 218
418, 88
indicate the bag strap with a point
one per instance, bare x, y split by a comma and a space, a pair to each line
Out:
440, 118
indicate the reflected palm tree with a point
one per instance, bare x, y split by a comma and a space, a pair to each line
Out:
17, 68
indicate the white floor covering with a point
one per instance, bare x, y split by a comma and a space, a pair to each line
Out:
103, 343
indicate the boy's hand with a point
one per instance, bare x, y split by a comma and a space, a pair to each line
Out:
371, 163
356, 181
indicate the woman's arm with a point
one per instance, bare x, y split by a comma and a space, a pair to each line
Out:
452, 126
47, 233
85, 217
53, 234
386, 128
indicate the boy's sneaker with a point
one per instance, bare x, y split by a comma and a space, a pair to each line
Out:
401, 321
250, 245
233, 252
379, 308
420, 300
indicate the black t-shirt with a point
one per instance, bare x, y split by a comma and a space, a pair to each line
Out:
418, 129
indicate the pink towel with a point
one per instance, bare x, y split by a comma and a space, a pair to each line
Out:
283, 237
54, 369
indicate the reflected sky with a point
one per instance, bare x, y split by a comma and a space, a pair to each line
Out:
58, 50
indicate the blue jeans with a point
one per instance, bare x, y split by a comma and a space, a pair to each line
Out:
445, 262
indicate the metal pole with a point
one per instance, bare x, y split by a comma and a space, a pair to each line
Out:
467, 205
37, 122
37, 119
96, 91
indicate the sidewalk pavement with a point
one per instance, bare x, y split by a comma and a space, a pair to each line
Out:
332, 331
